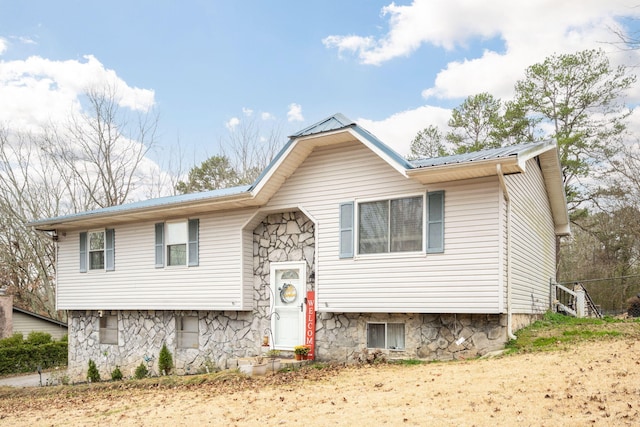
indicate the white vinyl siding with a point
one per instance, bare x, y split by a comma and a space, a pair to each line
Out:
137, 284
532, 241
463, 279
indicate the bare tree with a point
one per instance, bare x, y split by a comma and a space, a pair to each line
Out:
250, 148
93, 161
30, 188
100, 150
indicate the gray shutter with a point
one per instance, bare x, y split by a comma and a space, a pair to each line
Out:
160, 245
110, 249
435, 222
83, 252
194, 225
346, 230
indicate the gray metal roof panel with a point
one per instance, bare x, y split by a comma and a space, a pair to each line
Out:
490, 154
150, 203
335, 122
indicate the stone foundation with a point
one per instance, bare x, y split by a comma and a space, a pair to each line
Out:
342, 336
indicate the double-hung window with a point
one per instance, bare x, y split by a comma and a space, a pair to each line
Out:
177, 243
97, 250
394, 225
385, 335
390, 225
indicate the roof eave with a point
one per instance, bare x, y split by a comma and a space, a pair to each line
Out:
154, 212
468, 170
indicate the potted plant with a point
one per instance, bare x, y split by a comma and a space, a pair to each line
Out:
253, 366
301, 351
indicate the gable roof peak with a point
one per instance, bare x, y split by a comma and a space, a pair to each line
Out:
331, 123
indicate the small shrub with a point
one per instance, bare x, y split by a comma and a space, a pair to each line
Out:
633, 306
165, 360
92, 374
141, 371
38, 338
116, 374
12, 341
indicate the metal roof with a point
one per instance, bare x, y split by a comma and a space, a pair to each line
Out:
331, 130
146, 204
331, 123
489, 154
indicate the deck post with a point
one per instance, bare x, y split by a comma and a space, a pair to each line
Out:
580, 301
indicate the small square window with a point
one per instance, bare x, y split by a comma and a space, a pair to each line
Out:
109, 329
187, 331
385, 335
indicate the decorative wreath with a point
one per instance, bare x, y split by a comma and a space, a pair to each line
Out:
288, 293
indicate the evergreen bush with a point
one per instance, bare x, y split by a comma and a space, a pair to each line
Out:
93, 375
116, 374
165, 360
141, 371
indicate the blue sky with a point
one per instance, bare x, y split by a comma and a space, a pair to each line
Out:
207, 65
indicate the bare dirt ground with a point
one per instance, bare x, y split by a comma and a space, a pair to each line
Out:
589, 383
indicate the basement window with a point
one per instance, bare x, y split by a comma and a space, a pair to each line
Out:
187, 331
109, 329
385, 335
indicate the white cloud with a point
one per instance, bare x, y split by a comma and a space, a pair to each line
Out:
267, 116
398, 130
37, 90
248, 112
4, 45
528, 32
232, 123
295, 113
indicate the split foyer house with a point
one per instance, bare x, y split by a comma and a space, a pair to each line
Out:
340, 243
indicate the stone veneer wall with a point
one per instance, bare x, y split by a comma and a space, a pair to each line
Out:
224, 336
342, 336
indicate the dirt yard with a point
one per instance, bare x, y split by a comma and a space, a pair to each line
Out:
593, 383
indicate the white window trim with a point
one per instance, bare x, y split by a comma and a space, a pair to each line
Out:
104, 250
166, 244
356, 227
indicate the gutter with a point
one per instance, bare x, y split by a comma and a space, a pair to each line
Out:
505, 191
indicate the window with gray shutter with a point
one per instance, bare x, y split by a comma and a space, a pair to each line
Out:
83, 252
435, 222
160, 245
346, 230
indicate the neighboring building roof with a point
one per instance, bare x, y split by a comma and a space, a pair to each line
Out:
335, 129
37, 316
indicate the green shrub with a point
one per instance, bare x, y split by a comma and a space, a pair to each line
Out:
116, 374
165, 361
27, 357
38, 338
12, 341
93, 375
141, 371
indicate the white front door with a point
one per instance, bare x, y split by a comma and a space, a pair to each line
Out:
288, 285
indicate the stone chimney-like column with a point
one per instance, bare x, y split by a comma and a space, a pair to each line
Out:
6, 314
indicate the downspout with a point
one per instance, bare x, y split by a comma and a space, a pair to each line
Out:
505, 192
